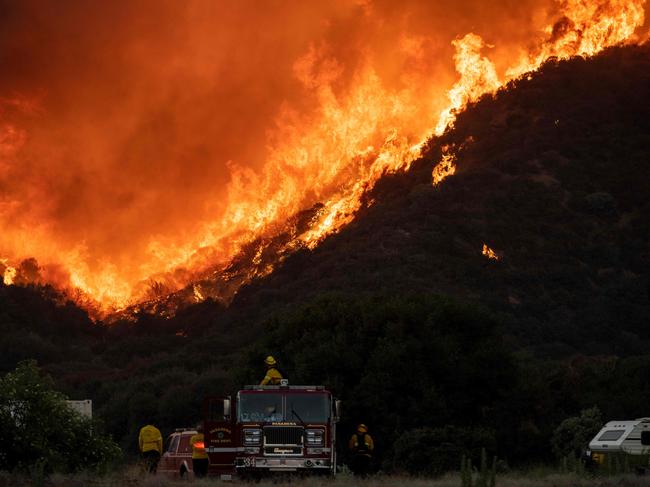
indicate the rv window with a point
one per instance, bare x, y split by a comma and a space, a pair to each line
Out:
645, 438
611, 435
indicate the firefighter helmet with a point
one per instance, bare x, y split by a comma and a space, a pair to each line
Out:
270, 361
362, 428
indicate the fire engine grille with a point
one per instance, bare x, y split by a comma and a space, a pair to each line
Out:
282, 450
283, 435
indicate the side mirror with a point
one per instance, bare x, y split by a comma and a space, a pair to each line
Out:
337, 410
226, 408
645, 438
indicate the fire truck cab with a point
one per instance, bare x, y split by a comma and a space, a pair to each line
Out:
267, 429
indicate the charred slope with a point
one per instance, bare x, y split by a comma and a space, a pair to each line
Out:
553, 173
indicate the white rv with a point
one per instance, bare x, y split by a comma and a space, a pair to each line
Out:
631, 437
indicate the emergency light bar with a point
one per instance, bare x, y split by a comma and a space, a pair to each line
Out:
293, 388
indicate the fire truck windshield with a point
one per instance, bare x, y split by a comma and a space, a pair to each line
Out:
257, 408
270, 408
308, 408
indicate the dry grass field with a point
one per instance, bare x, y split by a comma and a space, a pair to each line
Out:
131, 478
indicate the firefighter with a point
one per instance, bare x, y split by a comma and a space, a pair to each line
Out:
273, 375
150, 442
199, 456
361, 446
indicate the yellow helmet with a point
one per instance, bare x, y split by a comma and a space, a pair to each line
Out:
362, 428
270, 360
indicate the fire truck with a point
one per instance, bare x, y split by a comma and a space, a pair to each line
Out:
268, 429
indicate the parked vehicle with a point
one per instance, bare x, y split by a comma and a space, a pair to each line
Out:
177, 459
268, 429
627, 440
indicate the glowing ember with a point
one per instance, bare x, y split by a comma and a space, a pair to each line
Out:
198, 296
9, 275
489, 253
446, 167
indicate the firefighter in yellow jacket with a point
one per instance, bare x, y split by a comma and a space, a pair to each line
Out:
150, 442
199, 456
273, 375
361, 445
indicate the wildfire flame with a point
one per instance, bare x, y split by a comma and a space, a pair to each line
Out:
446, 167
477, 77
489, 253
356, 128
8, 273
585, 28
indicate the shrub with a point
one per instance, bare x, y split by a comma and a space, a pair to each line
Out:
574, 434
40, 433
434, 451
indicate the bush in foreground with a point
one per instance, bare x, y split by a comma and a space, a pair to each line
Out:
573, 434
40, 433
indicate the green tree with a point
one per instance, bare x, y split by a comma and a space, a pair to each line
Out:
39, 431
574, 433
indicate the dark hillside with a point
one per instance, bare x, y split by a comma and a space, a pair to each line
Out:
36, 323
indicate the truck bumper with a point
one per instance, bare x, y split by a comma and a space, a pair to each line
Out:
274, 464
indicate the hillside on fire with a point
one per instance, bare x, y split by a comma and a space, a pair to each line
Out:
478, 312
552, 177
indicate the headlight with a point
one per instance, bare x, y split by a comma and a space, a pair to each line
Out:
252, 436
315, 437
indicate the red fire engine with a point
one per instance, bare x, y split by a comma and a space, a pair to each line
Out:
269, 429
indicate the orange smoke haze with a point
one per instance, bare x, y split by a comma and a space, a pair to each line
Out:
146, 140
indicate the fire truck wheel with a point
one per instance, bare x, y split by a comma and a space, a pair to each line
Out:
183, 472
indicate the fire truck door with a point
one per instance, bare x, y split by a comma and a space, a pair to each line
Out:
220, 435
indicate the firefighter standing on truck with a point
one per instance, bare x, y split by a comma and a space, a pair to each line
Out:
273, 375
199, 456
361, 446
150, 443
